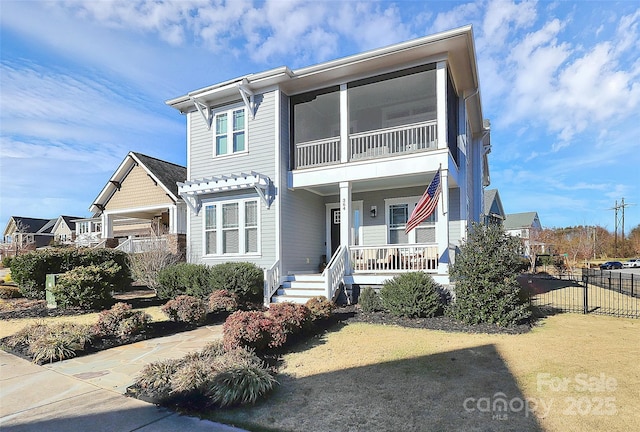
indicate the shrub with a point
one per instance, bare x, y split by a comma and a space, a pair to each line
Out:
184, 279
7, 278
121, 321
240, 384
155, 378
6, 261
412, 295
58, 342
291, 315
250, 329
244, 279
223, 301
30, 270
86, 286
186, 308
7, 292
146, 265
369, 300
320, 307
485, 271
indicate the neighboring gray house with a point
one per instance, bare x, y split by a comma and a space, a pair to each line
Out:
295, 170
493, 211
523, 225
26, 233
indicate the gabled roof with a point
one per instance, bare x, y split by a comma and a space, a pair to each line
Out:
521, 220
493, 203
70, 221
29, 225
166, 174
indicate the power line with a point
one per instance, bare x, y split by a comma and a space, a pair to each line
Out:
619, 220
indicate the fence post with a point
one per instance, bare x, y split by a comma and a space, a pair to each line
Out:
585, 282
620, 282
631, 284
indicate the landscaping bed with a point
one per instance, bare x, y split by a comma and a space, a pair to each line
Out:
353, 314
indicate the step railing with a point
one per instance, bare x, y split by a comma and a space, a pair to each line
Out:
394, 258
335, 271
271, 281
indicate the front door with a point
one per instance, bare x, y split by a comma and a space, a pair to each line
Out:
335, 230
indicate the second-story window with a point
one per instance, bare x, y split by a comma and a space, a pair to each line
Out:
230, 132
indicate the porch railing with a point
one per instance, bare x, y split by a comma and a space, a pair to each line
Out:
369, 145
393, 141
391, 258
271, 281
138, 245
334, 273
319, 152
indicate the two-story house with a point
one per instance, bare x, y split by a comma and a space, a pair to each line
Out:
295, 170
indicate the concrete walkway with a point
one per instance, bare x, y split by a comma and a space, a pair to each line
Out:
87, 393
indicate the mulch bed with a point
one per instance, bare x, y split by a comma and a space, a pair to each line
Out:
353, 314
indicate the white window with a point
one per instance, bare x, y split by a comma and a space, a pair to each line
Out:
398, 211
232, 228
230, 132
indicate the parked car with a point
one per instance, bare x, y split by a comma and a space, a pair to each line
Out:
611, 265
632, 263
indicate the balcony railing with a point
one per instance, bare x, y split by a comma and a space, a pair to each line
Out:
391, 258
319, 152
369, 145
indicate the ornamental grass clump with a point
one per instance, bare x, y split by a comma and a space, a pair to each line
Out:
212, 377
51, 342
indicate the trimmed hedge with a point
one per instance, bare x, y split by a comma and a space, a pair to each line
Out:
86, 286
185, 279
413, 295
246, 280
29, 270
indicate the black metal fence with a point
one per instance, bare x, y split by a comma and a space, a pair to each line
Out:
594, 291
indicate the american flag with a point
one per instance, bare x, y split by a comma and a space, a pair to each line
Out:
426, 205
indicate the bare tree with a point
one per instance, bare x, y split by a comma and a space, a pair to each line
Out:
155, 256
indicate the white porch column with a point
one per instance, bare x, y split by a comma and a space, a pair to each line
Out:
344, 124
441, 103
442, 225
107, 226
345, 213
173, 220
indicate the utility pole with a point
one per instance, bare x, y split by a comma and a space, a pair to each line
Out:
619, 221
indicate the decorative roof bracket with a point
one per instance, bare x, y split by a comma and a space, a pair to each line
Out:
205, 111
247, 97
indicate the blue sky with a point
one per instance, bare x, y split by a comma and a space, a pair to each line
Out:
84, 82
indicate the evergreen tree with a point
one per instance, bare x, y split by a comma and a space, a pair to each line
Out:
485, 271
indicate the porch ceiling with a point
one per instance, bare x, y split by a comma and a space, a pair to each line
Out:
382, 183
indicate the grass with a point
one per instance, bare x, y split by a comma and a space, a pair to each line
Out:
387, 378
12, 326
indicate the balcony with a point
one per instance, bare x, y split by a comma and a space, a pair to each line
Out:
380, 143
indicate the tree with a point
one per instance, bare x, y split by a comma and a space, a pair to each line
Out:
634, 240
485, 271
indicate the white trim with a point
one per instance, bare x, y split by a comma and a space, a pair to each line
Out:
278, 173
228, 110
411, 202
355, 205
241, 202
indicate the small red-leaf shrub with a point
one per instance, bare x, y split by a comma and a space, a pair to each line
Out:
320, 307
186, 309
292, 316
250, 329
223, 301
121, 321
